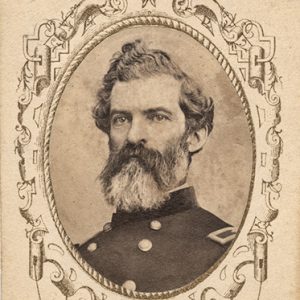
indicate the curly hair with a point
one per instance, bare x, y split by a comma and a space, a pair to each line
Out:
137, 61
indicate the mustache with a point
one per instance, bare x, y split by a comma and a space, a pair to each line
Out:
149, 159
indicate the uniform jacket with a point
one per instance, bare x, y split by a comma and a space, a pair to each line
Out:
159, 250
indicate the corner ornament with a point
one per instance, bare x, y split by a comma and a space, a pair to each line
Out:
43, 52
245, 39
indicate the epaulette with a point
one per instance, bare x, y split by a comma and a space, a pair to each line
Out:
224, 235
107, 227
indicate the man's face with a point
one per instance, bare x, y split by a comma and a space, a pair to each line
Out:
146, 110
148, 148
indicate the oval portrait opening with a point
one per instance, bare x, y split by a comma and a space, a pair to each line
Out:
151, 159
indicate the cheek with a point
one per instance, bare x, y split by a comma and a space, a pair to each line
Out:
117, 139
160, 138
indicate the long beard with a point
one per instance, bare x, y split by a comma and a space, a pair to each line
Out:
137, 178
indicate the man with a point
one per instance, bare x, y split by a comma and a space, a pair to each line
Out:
156, 118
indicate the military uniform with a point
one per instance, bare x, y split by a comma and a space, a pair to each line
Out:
159, 250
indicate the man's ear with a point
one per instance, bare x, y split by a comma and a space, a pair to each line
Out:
197, 139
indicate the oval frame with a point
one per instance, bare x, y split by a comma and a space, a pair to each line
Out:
251, 245
58, 90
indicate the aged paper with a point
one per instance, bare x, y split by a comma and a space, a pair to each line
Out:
197, 200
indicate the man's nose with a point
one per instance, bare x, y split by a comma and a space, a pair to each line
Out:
137, 132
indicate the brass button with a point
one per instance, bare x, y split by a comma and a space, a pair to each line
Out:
145, 245
92, 247
107, 227
129, 285
155, 225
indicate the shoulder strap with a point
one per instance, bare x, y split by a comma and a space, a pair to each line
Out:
224, 235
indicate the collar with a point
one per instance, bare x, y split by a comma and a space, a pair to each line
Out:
179, 201
181, 187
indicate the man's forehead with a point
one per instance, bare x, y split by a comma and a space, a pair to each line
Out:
145, 93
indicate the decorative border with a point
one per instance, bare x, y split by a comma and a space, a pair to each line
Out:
46, 52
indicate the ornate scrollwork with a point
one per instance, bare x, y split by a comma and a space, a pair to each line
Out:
254, 52
42, 51
36, 249
206, 15
145, 2
245, 39
62, 279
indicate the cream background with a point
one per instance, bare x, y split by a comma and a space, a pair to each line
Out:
280, 18
221, 173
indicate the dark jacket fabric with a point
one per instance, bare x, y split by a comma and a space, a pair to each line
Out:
157, 250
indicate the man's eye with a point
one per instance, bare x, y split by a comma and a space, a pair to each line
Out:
120, 120
159, 118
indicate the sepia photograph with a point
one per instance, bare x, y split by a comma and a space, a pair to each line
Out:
149, 150
151, 159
